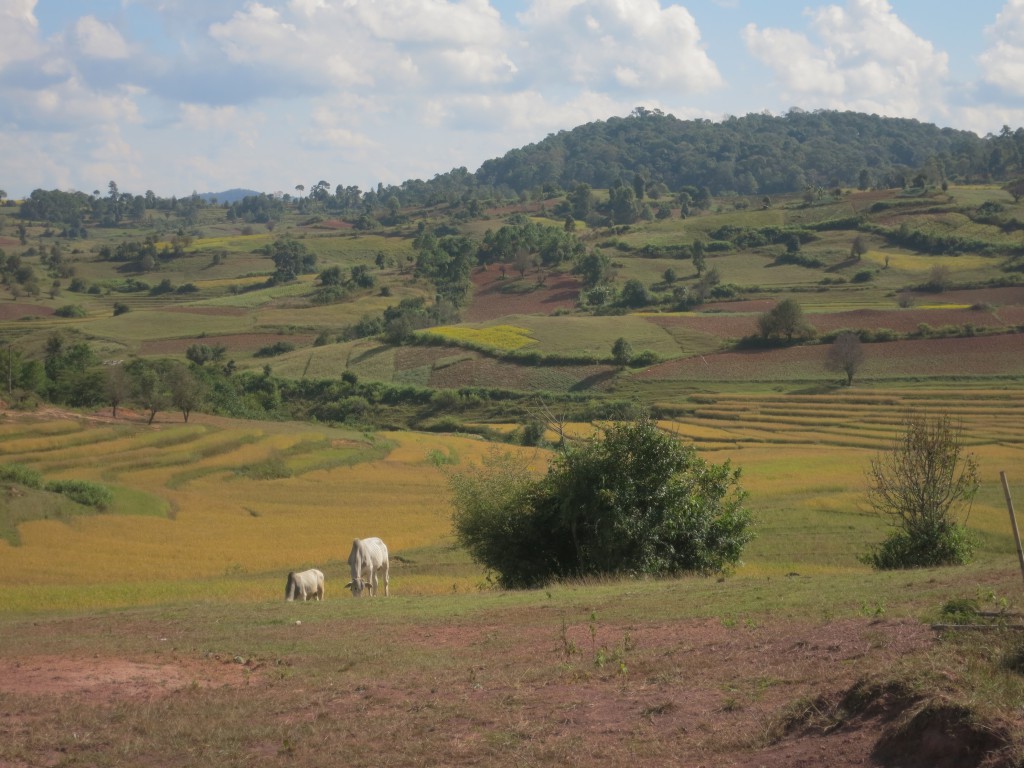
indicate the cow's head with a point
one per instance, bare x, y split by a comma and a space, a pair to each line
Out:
356, 586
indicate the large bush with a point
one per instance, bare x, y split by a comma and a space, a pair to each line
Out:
632, 500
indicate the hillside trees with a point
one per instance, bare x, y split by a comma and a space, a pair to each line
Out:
756, 153
631, 500
71, 373
446, 262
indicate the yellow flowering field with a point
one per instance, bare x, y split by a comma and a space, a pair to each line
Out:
502, 337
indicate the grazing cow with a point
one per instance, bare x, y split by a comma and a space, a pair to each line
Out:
368, 558
305, 585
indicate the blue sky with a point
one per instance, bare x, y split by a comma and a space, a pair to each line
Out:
179, 96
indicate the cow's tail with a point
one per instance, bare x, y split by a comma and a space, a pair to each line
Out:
289, 587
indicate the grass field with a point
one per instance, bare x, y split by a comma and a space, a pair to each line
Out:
247, 502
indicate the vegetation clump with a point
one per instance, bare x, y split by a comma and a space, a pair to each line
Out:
630, 500
83, 492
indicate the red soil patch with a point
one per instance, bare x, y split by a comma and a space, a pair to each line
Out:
105, 679
491, 301
16, 311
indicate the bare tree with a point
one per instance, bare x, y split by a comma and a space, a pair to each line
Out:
923, 484
845, 355
118, 386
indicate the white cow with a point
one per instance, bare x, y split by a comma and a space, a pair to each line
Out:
305, 585
368, 558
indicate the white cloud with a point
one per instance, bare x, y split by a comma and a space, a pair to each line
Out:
1003, 63
637, 46
71, 103
98, 40
862, 57
19, 31
113, 157
989, 118
367, 43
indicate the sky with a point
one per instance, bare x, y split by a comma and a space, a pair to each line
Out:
182, 96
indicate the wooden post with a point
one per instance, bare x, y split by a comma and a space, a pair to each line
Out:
1013, 521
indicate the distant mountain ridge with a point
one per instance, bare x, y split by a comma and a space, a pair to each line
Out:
229, 196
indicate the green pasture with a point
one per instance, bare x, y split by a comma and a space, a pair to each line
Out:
144, 325
594, 335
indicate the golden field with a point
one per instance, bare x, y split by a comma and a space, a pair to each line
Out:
197, 514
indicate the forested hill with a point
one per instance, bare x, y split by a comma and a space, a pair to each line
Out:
756, 154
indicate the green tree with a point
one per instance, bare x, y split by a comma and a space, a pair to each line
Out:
699, 260
186, 390
785, 321
594, 267
924, 484
634, 294
291, 258
623, 204
331, 276
151, 389
581, 201
622, 352
630, 500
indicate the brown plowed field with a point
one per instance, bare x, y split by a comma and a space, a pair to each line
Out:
16, 311
903, 321
983, 355
490, 302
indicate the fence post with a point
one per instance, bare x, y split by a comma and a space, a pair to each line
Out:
1013, 521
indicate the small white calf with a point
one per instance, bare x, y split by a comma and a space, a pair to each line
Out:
305, 585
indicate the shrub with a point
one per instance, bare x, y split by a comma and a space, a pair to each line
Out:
89, 494
632, 500
921, 484
277, 348
644, 359
20, 474
271, 468
70, 310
